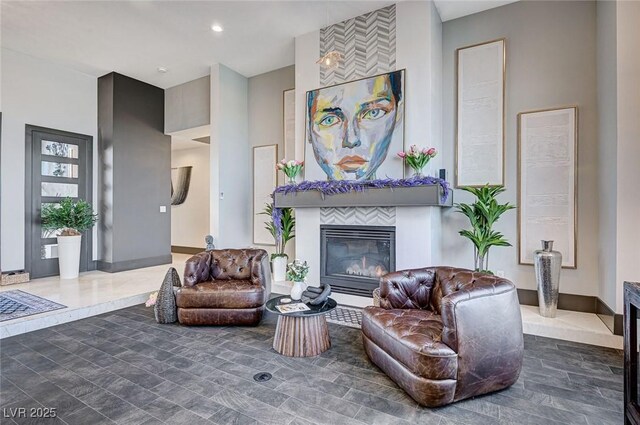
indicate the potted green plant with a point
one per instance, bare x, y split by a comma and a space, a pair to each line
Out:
69, 219
281, 226
482, 215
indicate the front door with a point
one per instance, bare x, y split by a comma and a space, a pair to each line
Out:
59, 165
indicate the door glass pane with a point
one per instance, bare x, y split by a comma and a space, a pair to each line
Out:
59, 190
49, 251
64, 150
57, 169
46, 234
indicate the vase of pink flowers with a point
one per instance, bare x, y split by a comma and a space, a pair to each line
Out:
417, 158
290, 168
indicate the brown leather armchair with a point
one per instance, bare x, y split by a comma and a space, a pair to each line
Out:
224, 287
445, 334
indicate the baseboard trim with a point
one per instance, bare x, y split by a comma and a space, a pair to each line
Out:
581, 303
139, 263
186, 249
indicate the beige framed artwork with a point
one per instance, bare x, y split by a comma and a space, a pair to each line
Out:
548, 182
264, 182
480, 106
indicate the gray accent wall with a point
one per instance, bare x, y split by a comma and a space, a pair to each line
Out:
135, 179
551, 62
187, 105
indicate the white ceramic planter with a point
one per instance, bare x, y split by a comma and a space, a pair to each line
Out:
279, 269
297, 289
69, 256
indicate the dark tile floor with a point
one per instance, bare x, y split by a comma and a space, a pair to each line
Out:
122, 367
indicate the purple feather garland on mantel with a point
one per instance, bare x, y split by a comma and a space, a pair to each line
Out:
334, 187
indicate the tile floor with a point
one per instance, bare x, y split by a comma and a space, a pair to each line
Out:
122, 367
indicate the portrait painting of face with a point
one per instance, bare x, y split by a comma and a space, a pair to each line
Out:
351, 128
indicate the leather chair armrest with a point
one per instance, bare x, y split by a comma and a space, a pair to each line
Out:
483, 324
407, 288
197, 269
261, 272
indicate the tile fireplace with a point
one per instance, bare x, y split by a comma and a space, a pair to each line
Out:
352, 258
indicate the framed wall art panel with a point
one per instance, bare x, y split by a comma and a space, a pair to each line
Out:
480, 114
548, 180
264, 182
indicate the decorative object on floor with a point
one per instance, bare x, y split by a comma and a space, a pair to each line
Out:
346, 316
304, 333
445, 334
224, 287
281, 227
164, 308
151, 301
482, 215
316, 296
11, 278
376, 297
334, 187
548, 178
290, 168
209, 241
17, 303
547, 264
183, 181
417, 159
631, 353
480, 114
297, 273
265, 180
69, 218
351, 127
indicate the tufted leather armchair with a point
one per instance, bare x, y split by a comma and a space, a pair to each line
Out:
224, 287
444, 334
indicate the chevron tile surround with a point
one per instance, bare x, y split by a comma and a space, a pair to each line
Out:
361, 216
368, 45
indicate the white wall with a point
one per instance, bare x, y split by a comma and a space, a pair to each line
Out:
628, 148
190, 220
40, 93
551, 62
230, 153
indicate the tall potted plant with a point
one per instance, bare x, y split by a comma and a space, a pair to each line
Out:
482, 215
281, 226
70, 219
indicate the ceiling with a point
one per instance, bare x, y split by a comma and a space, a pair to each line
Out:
135, 38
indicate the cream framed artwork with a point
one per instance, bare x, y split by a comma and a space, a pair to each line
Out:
548, 182
264, 182
480, 73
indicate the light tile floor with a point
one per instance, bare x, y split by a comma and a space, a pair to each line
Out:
98, 292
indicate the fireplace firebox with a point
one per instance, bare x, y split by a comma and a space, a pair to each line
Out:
352, 258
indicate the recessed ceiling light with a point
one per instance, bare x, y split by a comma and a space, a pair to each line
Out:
216, 28
162, 70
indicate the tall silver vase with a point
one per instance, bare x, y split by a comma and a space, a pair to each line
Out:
547, 264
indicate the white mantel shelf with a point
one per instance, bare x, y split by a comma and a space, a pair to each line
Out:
427, 195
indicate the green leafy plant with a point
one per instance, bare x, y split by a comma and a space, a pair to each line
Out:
297, 271
281, 226
70, 217
482, 215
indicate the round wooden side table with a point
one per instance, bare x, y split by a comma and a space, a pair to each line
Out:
302, 333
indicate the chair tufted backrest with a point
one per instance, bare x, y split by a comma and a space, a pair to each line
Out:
407, 289
226, 264
452, 279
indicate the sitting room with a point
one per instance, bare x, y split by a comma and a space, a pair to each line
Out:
319, 212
